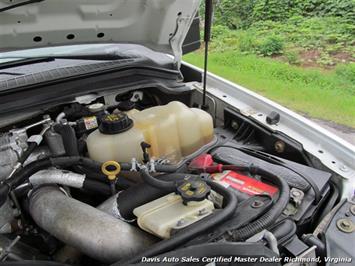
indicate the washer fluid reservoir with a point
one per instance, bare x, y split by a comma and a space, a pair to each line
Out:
173, 131
166, 214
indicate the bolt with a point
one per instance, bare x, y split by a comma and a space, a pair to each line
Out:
279, 146
345, 223
296, 193
202, 212
343, 168
257, 204
235, 125
194, 186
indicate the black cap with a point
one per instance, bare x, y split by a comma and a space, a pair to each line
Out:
192, 188
126, 105
115, 123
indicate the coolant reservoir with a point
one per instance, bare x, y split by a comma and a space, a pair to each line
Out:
173, 131
161, 216
116, 139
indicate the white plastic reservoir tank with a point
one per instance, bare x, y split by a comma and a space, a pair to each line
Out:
173, 131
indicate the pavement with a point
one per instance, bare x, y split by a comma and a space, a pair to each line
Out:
344, 132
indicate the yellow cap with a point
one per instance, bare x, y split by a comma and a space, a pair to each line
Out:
111, 174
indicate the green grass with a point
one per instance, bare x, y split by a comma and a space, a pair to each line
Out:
328, 95
331, 38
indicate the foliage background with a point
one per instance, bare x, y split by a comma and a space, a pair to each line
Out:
300, 53
236, 14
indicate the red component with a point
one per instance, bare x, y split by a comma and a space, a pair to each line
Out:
201, 162
205, 164
247, 184
217, 168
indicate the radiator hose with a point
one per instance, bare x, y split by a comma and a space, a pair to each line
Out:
92, 231
154, 182
23, 175
67, 178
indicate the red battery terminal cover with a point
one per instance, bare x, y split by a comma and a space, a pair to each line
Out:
245, 184
204, 163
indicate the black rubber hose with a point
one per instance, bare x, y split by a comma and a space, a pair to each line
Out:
71, 146
20, 177
120, 182
183, 236
4, 191
6, 186
69, 139
273, 214
123, 183
68, 161
330, 203
312, 240
167, 168
96, 186
30, 169
31, 147
89, 185
141, 194
63, 162
154, 182
161, 168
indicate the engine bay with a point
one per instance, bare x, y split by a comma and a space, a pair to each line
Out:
139, 174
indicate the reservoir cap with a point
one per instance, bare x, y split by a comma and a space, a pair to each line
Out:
193, 188
115, 123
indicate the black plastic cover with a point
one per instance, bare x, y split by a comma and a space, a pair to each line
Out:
192, 40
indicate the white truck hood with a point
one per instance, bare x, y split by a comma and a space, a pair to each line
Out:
161, 25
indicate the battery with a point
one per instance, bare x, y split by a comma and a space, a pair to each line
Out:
245, 184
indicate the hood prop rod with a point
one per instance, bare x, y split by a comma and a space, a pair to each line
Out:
207, 38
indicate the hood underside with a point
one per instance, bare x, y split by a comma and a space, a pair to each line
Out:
161, 25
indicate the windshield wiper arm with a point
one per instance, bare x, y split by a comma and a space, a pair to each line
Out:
25, 61
24, 3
